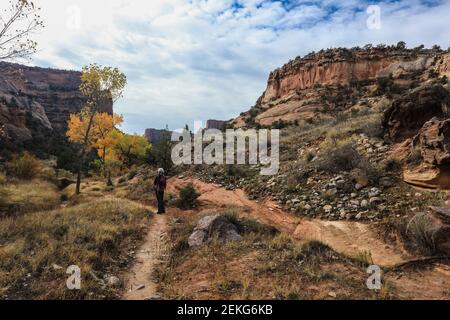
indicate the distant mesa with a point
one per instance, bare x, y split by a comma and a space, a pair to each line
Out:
216, 124
156, 135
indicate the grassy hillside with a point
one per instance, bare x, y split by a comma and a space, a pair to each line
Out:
36, 249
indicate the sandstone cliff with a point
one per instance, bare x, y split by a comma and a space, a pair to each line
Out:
35, 103
338, 79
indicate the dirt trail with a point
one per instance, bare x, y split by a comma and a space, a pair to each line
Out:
348, 237
139, 283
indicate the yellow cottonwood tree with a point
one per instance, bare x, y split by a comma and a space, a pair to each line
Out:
128, 148
100, 133
98, 85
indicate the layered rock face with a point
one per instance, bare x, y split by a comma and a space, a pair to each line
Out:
37, 102
340, 67
299, 90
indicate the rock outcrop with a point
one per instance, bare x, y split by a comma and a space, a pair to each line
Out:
442, 66
35, 103
432, 147
210, 227
410, 111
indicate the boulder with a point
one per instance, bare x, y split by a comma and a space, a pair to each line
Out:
409, 112
215, 226
433, 143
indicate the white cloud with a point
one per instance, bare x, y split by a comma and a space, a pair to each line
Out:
199, 59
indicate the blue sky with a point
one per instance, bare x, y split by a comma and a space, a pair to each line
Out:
199, 60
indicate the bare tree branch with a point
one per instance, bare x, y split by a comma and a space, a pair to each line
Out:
19, 21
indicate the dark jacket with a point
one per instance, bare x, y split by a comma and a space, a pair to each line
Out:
160, 183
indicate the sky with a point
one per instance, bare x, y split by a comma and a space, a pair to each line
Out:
203, 59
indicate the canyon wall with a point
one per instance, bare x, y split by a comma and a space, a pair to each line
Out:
325, 83
341, 67
35, 103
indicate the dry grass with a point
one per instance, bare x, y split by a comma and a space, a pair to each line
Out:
265, 265
21, 197
338, 158
25, 166
420, 232
3, 179
91, 189
95, 236
335, 128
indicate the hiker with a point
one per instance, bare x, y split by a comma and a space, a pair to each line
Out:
160, 187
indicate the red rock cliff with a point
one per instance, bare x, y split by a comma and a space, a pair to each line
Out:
319, 85
340, 66
37, 102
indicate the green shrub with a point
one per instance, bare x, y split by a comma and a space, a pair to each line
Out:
188, 196
24, 167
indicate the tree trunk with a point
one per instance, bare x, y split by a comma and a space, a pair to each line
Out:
110, 182
83, 154
104, 162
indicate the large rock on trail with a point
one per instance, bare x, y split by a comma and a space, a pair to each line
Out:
432, 146
210, 227
409, 112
